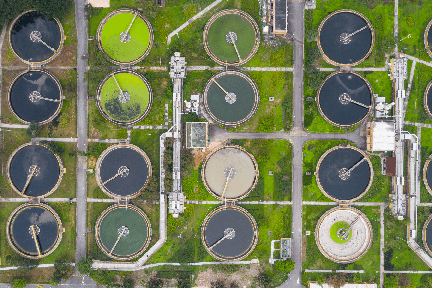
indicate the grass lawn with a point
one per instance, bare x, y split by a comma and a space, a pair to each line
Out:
316, 260
416, 112
413, 19
398, 256
132, 50
271, 155
379, 13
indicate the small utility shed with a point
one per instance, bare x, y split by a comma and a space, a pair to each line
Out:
381, 136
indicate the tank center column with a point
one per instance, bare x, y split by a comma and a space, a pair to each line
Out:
177, 73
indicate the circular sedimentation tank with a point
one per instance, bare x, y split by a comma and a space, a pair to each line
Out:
34, 220
427, 235
34, 171
229, 233
123, 171
34, 38
345, 37
231, 37
124, 98
428, 39
123, 232
343, 235
345, 99
231, 98
125, 36
427, 176
344, 173
230, 173
428, 99
35, 96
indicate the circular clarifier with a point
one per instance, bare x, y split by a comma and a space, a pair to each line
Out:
34, 171
229, 27
35, 96
343, 235
34, 38
345, 99
229, 233
34, 220
125, 36
123, 171
124, 98
231, 98
344, 173
230, 171
345, 37
123, 232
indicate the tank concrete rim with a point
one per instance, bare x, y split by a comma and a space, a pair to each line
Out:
326, 58
425, 98
25, 206
56, 113
241, 14
42, 62
428, 220
245, 194
254, 108
370, 168
368, 238
425, 169
247, 214
61, 167
108, 17
108, 117
106, 152
337, 124
99, 240
426, 42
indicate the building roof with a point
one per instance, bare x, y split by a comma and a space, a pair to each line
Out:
383, 136
280, 12
390, 166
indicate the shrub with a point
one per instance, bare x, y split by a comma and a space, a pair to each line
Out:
410, 21
19, 283
284, 266
84, 266
128, 283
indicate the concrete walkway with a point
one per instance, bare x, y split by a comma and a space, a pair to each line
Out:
11, 126
44, 67
114, 141
184, 25
418, 124
39, 139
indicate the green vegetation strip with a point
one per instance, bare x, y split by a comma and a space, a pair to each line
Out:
217, 37
132, 50
135, 107
334, 229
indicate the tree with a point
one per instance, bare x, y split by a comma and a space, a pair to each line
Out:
61, 271
84, 266
23, 263
391, 281
128, 283
264, 279
19, 283
190, 117
155, 283
33, 130
218, 284
284, 266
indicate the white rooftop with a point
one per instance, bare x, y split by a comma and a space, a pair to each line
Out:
383, 136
